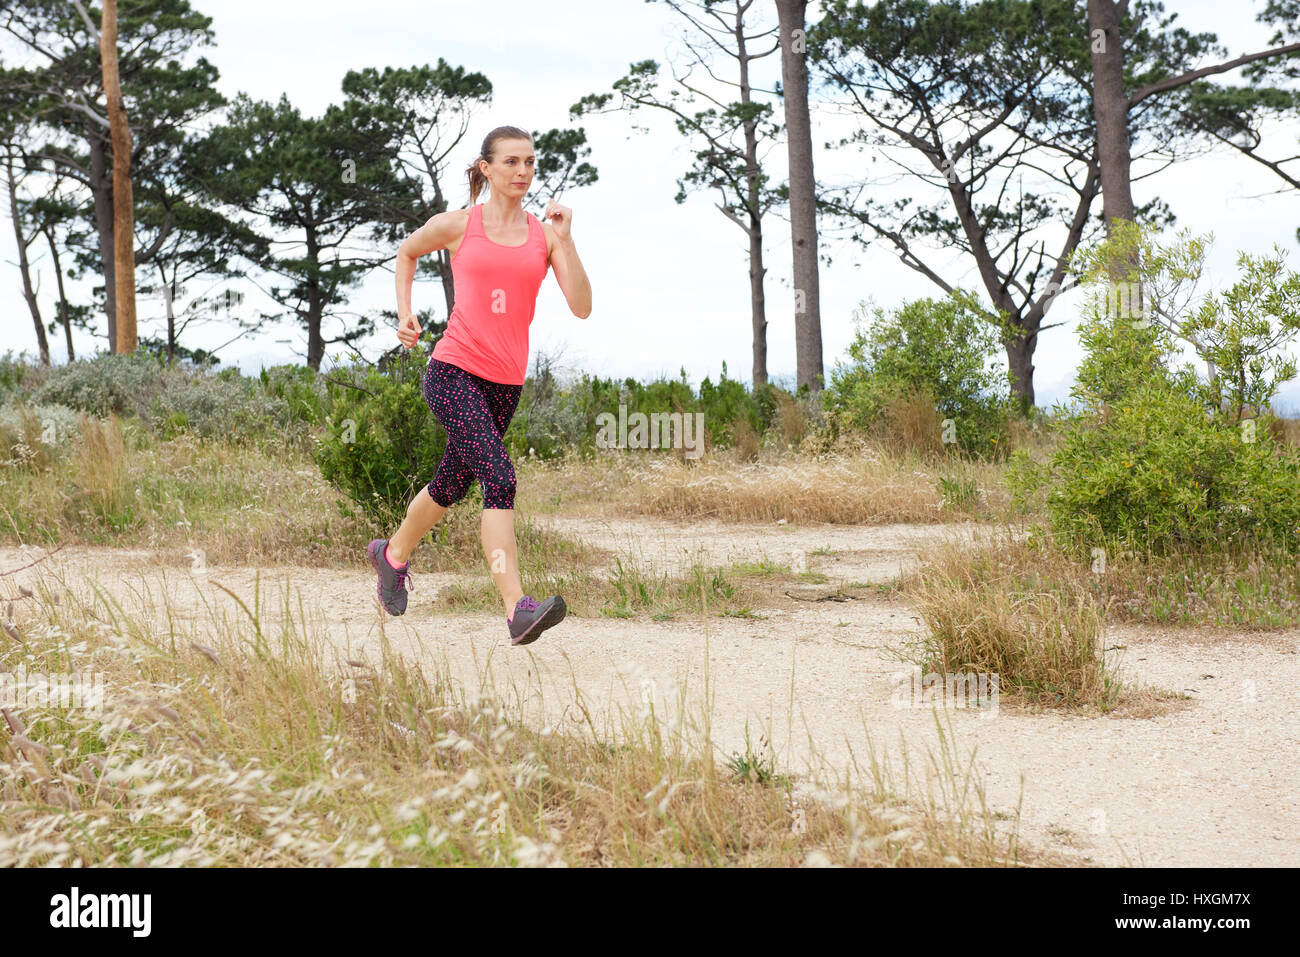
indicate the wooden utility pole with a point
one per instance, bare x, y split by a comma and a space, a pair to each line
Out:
123, 205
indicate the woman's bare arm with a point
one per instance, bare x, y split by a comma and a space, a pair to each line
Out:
563, 257
439, 232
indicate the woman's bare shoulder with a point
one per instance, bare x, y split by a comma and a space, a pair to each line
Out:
440, 231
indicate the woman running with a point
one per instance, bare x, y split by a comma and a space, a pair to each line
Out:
499, 257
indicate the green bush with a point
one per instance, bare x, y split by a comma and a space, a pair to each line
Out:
765, 402
283, 404
722, 405
222, 405
549, 418
1152, 458
657, 395
1028, 481
939, 347
14, 371
1158, 473
380, 444
1242, 333
1240, 337
123, 383
553, 415
725, 403
302, 389
1120, 357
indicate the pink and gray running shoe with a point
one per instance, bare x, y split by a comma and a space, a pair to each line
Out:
531, 618
392, 581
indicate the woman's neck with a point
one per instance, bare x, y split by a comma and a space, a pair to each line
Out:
503, 210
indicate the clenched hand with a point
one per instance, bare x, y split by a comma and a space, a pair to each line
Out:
408, 330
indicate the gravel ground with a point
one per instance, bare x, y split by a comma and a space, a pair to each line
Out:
1208, 781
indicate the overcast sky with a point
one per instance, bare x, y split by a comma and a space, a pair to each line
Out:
670, 282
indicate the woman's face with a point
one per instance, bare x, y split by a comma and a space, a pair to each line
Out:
511, 170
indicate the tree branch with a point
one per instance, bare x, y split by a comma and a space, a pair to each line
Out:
90, 25
1177, 81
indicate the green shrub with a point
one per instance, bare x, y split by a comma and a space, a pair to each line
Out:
1156, 458
1120, 357
939, 347
659, 395
553, 415
1156, 472
550, 417
381, 444
123, 383
1240, 337
302, 389
1028, 481
283, 404
217, 405
726, 403
766, 402
14, 370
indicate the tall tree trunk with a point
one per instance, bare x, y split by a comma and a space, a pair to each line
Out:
1020, 360
803, 208
757, 303
169, 290
757, 300
24, 265
315, 303
101, 188
123, 217
1110, 108
64, 318
315, 341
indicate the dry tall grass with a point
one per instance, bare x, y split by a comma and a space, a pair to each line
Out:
247, 741
1253, 587
236, 503
865, 486
746, 443
242, 504
792, 420
100, 462
911, 424
995, 608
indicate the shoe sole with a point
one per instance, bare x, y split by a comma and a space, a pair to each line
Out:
552, 616
374, 560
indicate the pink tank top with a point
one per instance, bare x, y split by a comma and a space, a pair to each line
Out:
496, 293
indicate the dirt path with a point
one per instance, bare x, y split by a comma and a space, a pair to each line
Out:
873, 553
1212, 783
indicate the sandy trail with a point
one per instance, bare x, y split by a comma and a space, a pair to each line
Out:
873, 553
1212, 783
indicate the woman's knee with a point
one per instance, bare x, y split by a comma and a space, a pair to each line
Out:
500, 493
446, 494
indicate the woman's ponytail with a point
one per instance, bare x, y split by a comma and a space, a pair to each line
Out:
477, 181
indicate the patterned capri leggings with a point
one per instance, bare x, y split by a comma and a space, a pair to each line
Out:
475, 412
